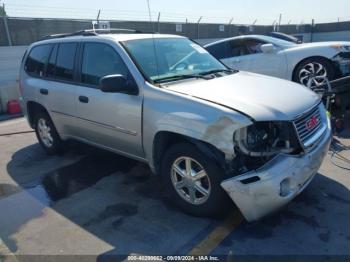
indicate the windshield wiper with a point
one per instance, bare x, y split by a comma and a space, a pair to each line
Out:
219, 71
179, 77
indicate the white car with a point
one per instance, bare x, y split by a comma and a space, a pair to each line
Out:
279, 58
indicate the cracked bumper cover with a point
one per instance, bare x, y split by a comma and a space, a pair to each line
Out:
262, 197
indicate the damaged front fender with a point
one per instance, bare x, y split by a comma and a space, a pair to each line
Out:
259, 192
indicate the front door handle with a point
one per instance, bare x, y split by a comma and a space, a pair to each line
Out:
44, 91
84, 99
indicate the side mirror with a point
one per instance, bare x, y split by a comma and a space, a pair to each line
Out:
118, 84
267, 48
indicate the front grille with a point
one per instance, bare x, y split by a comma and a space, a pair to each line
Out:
309, 126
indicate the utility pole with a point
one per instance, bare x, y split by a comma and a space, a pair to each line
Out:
279, 22
274, 25
6, 26
229, 26
312, 30
199, 20
97, 20
251, 27
158, 25
98, 16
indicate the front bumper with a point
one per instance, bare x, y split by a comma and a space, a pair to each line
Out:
259, 192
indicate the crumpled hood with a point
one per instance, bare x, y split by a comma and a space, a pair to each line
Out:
261, 97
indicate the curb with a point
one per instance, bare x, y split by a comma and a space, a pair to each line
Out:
5, 117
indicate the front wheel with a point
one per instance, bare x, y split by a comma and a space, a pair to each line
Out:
312, 71
193, 181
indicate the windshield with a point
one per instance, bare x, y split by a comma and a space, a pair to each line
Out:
166, 58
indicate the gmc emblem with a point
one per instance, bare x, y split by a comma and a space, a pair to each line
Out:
311, 123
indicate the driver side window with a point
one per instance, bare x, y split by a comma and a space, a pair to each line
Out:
237, 48
253, 46
100, 60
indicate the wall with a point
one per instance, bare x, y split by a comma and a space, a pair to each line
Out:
10, 59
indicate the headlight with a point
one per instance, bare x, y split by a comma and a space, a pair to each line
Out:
341, 48
267, 139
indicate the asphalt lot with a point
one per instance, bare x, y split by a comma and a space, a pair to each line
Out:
90, 202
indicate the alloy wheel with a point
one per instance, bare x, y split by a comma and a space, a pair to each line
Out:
313, 74
190, 180
44, 131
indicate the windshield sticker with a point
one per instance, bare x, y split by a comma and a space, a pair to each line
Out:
199, 49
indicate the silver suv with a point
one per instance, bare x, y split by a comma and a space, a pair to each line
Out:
212, 133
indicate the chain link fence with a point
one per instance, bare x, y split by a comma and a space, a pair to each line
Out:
23, 31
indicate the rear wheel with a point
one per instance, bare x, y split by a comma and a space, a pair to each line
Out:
47, 133
193, 181
312, 71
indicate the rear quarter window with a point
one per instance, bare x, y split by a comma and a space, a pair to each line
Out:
36, 60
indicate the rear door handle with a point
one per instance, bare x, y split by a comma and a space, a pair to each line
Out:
44, 91
84, 99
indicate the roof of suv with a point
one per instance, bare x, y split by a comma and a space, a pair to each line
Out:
126, 37
118, 37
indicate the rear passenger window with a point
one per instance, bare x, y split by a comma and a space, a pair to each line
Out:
65, 61
36, 61
100, 60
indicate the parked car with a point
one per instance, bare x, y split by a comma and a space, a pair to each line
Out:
208, 131
286, 37
284, 59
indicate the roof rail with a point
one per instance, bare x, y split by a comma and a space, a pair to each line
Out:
95, 32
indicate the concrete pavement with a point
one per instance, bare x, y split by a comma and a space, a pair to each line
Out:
90, 202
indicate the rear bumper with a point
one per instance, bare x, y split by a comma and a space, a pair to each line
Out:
277, 182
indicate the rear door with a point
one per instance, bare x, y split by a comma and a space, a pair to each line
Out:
61, 87
112, 120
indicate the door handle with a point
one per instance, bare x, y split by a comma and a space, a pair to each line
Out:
84, 99
44, 91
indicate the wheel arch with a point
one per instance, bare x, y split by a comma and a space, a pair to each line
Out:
165, 139
32, 109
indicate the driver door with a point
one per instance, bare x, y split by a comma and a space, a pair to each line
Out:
272, 63
112, 120
236, 55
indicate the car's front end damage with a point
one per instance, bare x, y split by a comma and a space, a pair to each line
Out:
276, 160
274, 149
341, 60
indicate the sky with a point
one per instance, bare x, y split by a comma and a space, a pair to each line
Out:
242, 11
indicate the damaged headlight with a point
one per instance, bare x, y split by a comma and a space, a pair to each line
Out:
267, 139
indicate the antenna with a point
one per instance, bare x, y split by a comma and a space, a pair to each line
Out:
154, 42
150, 15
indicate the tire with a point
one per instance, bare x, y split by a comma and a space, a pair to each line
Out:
215, 203
310, 67
47, 134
